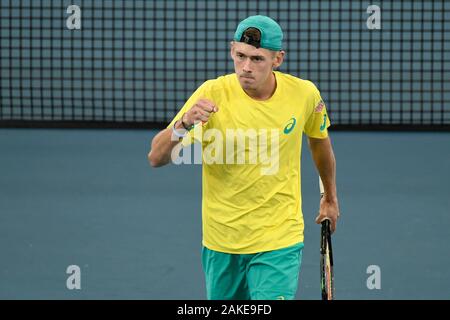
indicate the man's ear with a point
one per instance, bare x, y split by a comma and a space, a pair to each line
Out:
279, 58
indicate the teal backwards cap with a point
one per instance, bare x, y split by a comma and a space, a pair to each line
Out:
271, 33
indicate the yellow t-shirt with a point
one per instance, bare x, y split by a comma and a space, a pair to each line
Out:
251, 197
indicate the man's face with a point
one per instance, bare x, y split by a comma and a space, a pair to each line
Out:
254, 66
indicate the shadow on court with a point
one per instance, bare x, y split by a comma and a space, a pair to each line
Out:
89, 198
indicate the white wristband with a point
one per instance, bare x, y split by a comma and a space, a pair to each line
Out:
176, 133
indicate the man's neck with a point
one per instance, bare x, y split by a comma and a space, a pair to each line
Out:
267, 90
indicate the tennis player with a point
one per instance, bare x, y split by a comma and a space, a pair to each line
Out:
252, 218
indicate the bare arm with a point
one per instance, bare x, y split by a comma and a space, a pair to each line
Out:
162, 146
323, 156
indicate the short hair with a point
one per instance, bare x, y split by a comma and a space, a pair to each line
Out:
251, 36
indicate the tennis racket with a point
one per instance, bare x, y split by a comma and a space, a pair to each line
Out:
326, 257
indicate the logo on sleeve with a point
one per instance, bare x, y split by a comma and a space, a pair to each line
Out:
324, 124
319, 107
290, 126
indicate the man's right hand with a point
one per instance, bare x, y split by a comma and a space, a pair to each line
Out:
163, 143
200, 112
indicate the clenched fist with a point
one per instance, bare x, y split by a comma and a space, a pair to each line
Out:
200, 112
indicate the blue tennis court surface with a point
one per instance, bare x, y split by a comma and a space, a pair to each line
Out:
89, 198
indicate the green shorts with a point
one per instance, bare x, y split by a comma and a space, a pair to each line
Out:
271, 275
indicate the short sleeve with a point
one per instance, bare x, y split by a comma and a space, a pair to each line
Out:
317, 123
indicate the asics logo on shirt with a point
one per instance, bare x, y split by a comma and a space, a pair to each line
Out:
290, 126
324, 124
